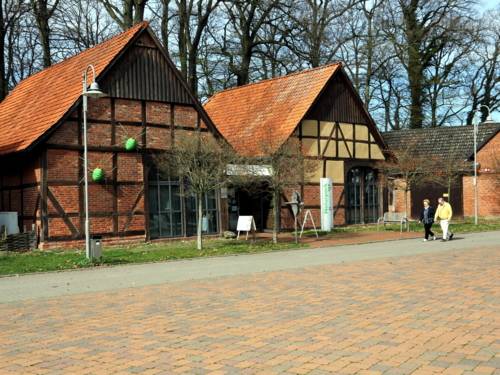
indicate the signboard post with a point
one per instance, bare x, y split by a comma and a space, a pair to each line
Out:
296, 205
245, 224
326, 204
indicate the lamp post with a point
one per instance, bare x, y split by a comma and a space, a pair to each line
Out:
475, 123
94, 92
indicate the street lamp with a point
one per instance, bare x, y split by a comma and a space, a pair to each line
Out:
487, 121
94, 92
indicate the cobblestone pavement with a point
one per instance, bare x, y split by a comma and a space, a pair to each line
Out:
430, 313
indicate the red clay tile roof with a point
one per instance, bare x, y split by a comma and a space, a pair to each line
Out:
258, 118
41, 100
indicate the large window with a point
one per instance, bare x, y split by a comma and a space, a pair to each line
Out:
172, 213
362, 196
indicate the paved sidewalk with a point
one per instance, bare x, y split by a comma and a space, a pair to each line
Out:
109, 278
435, 310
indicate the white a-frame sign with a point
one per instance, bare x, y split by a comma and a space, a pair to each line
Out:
245, 224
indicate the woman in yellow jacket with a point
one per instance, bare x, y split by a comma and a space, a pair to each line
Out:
443, 216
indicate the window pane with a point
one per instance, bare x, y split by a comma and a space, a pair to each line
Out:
164, 198
165, 225
211, 204
177, 224
212, 222
153, 175
175, 198
153, 198
154, 226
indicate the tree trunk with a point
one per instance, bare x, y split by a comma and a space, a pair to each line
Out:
369, 59
45, 40
276, 216
414, 67
42, 16
3, 78
182, 37
192, 73
406, 200
415, 78
199, 203
139, 6
243, 73
164, 23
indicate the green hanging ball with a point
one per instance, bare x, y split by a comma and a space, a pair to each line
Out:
97, 175
130, 144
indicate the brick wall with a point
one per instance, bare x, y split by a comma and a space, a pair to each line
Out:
398, 198
338, 205
117, 204
489, 156
488, 183
158, 113
185, 116
62, 165
66, 135
312, 201
128, 110
99, 134
488, 187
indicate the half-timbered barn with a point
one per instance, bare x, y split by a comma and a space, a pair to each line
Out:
321, 107
41, 148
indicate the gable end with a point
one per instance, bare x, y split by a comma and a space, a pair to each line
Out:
144, 74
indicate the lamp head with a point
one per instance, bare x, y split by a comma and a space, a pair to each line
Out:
94, 91
488, 120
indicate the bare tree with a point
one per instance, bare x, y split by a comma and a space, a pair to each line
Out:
81, 25
193, 18
483, 75
10, 12
165, 22
126, 14
419, 30
315, 33
200, 161
245, 19
23, 49
289, 168
450, 168
410, 166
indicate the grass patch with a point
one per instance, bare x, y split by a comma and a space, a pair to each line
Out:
42, 261
462, 226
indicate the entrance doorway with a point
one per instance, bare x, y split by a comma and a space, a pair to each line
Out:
362, 204
256, 203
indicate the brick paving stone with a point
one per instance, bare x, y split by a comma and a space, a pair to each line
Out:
426, 314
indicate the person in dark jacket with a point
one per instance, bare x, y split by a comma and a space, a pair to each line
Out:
427, 218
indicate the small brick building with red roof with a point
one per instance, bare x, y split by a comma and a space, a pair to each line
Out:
322, 109
41, 148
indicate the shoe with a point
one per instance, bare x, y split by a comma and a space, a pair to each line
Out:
434, 238
425, 239
451, 236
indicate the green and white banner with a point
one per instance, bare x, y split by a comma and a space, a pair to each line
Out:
326, 196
